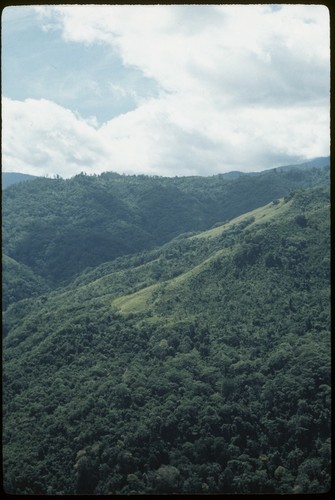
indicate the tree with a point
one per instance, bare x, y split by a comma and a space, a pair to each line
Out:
167, 478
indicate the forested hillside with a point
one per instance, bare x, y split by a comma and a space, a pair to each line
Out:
199, 366
58, 228
19, 282
10, 178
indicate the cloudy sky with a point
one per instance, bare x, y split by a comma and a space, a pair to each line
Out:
163, 90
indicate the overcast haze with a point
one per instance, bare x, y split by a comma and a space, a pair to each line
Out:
163, 90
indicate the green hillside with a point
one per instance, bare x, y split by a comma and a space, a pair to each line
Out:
58, 228
19, 282
201, 366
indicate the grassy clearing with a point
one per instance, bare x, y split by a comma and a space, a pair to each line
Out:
261, 215
136, 302
141, 300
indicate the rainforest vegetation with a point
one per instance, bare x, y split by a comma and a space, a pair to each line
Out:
60, 227
167, 335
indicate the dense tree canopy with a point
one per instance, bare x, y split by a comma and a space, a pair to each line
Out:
59, 227
201, 366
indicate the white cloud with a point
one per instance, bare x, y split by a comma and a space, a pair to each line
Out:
241, 87
43, 138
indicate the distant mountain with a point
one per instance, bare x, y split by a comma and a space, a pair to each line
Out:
322, 161
232, 175
10, 178
319, 162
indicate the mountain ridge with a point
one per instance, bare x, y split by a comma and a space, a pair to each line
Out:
58, 228
10, 178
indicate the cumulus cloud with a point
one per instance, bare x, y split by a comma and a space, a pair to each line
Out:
44, 138
239, 87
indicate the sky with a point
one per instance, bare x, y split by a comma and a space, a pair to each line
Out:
168, 90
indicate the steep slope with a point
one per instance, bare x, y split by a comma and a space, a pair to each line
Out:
60, 227
19, 282
201, 367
